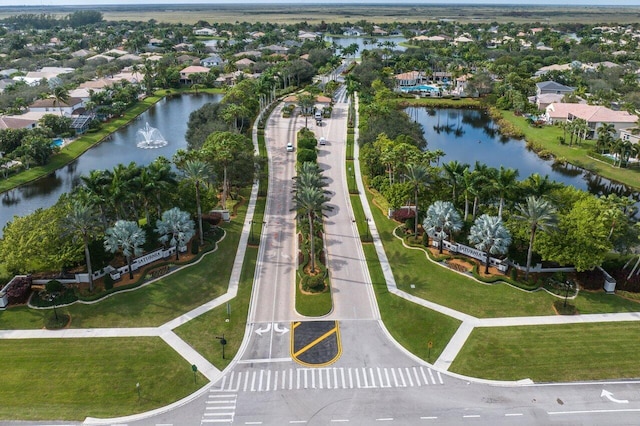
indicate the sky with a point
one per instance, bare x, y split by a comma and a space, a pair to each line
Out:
298, 2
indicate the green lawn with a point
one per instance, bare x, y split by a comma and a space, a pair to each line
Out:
313, 305
412, 325
202, 332
440, 285
156, 303
555, 353
69, 379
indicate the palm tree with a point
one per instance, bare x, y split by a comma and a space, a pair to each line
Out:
127, 236
310, 202
469, 186
306, 101
418, 175
538, 186
489, 235
539, 214
506, 180
176, 228
199, 173
82, 223
442, 217
60, 95
453, 170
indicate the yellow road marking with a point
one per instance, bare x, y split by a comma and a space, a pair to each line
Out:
295, 324
315, 342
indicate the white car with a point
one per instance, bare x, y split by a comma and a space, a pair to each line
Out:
290, 147
323, 141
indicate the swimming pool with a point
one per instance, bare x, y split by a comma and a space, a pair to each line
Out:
420, 88
57, 142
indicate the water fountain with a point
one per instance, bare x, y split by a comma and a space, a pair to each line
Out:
150, 137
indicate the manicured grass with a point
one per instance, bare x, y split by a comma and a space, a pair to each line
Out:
412, 325
156, 303
440, 285
202, 332
440, 102
69, 379
313, 305
547, 137
555, 353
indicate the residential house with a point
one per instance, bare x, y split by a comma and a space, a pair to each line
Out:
6, 82
82, 53
17, 122
243, 63
631, 134
411, 78
304, 35
185, 74
594, 115
205, 32
553, 87
52, 106
277, 49
213, 61
254, 53
188, 59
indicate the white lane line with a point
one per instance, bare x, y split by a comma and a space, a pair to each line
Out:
428, 418
357, 378
339, 420
252, 423
246, 381
350, 380
328, 370
513, 414
415, 373
275, 381
260, 381
380, 377
290, 379
217, 421
404, 384
297, 379
623, 410
409, 376
306, 382
373, 379
440, 378
253, 382
385, 419
471, 416
230, 401
386, 375
224, 380
231, 380
293, 422
364, 377
395, 379
221, 396
424, 376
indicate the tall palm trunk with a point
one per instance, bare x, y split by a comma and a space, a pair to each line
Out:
87, 257
530, 252
312, 242
199, 215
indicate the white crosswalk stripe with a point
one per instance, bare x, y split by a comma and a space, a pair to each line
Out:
220, 407
266, 380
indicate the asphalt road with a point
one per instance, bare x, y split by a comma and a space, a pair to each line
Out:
373, 381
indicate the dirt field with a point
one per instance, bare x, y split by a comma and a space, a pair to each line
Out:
284, 14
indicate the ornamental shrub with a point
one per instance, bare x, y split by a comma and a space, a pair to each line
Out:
19, 291
108, 282
314, 283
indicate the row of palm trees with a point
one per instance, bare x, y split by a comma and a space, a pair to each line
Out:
623, 150
310, 200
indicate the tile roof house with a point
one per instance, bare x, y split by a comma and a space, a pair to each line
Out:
243, 63
553, 87
16, 122
52, 106
411, 78
185, 73
594, 115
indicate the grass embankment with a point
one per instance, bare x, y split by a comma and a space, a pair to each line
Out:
76, 148
552, 353
547, 138
435, 102
69, 379
154, 304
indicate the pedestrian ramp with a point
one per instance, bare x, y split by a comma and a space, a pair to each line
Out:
219, 408
266, 380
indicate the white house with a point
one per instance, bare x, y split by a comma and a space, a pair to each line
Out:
213, 61
205, 32
52, 106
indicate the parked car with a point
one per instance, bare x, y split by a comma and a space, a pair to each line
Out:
289, 147
323, 141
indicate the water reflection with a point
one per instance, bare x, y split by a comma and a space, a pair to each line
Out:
170, 116
470, 135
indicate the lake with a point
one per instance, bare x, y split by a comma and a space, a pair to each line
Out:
170, 116
468, 135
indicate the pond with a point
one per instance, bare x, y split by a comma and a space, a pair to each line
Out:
363, 42
468, 136
170, 116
